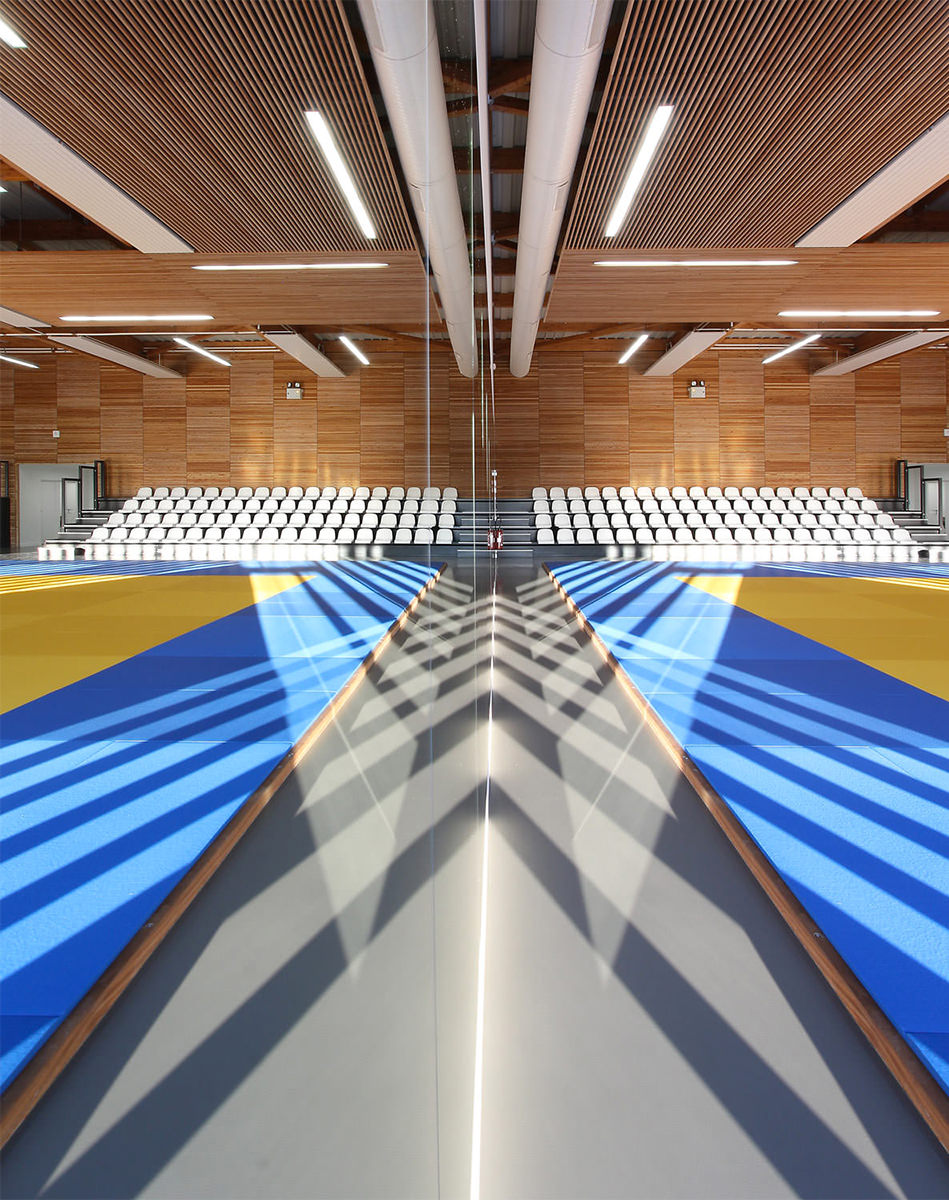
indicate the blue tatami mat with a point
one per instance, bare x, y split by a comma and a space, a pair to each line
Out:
115, 784
837, 768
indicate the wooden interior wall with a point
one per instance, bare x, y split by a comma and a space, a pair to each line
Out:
576, 418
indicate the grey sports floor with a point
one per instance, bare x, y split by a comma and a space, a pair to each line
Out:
650, 1028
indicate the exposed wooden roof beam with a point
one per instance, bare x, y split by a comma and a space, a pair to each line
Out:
505, 160
509, 75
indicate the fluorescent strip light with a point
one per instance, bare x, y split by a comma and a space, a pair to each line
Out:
342, 266
333, 157
812, 337
18, 362
120, 317
859, 312
698, 262
11, 37
650, 143
354, 350
200, 350
633, 347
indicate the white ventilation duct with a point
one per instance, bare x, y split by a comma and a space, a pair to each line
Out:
882, 350
42, 156
568, 42
404, 48
913, 173
124, 358
689, 346
304, 352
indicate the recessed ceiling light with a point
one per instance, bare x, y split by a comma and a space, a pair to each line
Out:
327, 144
18, 362
12, 38
119, 317
859, 312
633, 347
200, 350
697, 262
650, 143
322, 266
812, 337
353, 349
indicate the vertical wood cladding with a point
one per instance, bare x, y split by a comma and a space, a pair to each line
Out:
410, 418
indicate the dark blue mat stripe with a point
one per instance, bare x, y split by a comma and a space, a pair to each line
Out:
114, 786
839, 772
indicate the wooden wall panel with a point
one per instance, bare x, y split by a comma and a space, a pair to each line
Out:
337, 426
467, 431
560, 440
697, 428
877, 425
924, 411
605, 419
209, 428
426, 421
121, 427
294, 424
251, 415
77, 402
517, 434
651, 430
576, 418
382, 421
741, 420
165, 432
787, 434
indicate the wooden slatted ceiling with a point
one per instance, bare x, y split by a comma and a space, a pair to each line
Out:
196, 111
782, 109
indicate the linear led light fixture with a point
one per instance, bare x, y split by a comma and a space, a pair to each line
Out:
322, 266
353, 349
811, 337
120, 317
697, 262
11, 37
872, 313
633, 347
650, 143
200, 350
327, 144
2, 188
18, 362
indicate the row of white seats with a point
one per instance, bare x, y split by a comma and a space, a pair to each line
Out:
288, 505
281, 493
722, 535
714, 520
274, 543
661, 492
721, 505
156, 527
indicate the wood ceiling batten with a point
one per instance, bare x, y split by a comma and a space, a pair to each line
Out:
782, 109
196, 112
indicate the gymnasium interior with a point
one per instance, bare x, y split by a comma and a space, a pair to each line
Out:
474, 661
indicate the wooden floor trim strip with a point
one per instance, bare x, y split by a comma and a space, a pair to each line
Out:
31, 1084
924, 1092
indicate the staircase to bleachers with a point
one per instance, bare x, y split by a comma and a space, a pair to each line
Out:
474, 521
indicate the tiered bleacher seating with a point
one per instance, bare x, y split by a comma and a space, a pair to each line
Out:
731, 516
275, 523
